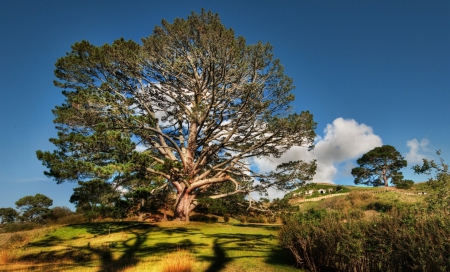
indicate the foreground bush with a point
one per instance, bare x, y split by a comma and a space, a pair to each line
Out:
411, 240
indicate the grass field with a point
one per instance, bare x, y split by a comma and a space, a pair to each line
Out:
130, 246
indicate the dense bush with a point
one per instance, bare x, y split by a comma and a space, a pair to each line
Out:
71, 219
15, 227
380, 206
408, 240
203, 218
404, 184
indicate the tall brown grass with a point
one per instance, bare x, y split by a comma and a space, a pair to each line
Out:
178, 261
401, 240
7, 256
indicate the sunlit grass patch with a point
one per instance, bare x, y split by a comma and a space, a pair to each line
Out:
133, 246
178, 261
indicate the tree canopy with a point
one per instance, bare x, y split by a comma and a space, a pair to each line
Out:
188, 108
8, 215
34, 208
379, 166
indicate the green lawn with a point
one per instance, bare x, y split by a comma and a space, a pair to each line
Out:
129, 246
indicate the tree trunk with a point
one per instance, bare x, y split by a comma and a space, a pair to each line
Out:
183, 206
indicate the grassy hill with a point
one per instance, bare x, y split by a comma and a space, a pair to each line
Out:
133, 246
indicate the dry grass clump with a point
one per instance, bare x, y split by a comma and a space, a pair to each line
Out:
7, 256
178, 261
411, 239
335, 203
359, 199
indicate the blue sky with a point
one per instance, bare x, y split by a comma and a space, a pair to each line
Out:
371, 72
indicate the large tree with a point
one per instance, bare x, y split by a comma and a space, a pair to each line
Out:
34, 208
196, 101
379, 166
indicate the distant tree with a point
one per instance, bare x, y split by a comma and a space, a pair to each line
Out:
59, 212
198, 102
403, 184
8, 215
34, 208
379, 166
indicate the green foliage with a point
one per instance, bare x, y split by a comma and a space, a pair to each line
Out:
93, 197
197, 100
8, 215
439, 182
310, 215
34, 208
58, 212
341, 189
404, 184
380, 206
379, 166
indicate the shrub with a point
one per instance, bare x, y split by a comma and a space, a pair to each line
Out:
404, 184
203, 218
72, 219
226, 218
407, 240
380, 206
356, 214
15, 227
260, 220
243, 219
16, 238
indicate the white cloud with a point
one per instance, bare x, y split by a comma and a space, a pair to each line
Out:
344, 140
417, 150
140, 148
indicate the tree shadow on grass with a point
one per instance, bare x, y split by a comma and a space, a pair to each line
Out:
252, 246
139, 240
220, 258
130, 248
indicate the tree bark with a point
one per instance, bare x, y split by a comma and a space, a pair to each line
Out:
183, 206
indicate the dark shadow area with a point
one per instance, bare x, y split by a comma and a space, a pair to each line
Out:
257, 225
227, 242
103, 228
281, 256
220, 258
